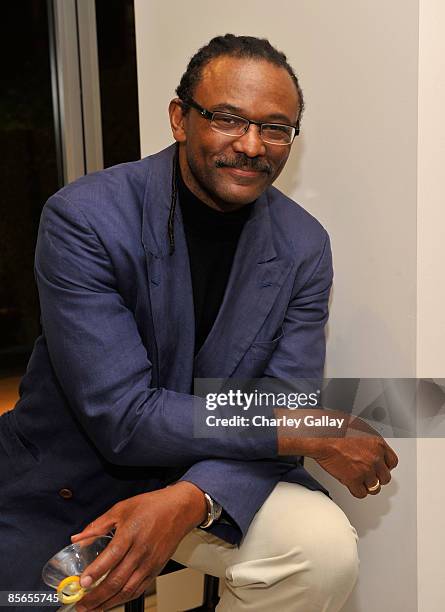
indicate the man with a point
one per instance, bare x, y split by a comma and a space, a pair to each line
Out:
139, 295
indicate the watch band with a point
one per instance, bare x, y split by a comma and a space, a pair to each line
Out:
214, 511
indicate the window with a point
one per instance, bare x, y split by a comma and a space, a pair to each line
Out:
69, 106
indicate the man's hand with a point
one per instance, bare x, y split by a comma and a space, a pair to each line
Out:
357, 462
357, 456
149, 528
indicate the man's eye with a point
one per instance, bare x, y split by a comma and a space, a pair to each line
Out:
227, 121
276, 128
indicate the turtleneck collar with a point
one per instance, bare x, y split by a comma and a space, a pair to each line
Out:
201, 219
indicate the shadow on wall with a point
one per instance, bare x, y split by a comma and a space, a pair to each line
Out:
365, 515
289, 181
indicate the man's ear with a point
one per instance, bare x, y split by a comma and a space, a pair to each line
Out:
177, 120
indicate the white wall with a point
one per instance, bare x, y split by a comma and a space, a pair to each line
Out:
431, 294
356, 168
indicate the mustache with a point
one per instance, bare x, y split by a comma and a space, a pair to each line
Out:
243, 162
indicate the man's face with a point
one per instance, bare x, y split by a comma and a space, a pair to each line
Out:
227, 172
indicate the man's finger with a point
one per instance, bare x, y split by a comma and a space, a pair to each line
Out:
136, 586
372, 481
101, 526
391, 458
358, 490
106, 561
383, 473
120, 584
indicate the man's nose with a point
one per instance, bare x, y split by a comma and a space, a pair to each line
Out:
250, 142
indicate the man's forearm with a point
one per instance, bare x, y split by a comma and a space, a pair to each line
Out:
307, 440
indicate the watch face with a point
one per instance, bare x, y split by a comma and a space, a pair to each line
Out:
217, 510
214, 511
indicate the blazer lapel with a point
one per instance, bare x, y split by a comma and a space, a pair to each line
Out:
256, 277
169, 280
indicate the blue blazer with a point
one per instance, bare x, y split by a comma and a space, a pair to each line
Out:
105, 410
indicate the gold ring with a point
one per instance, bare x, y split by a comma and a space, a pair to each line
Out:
374, 487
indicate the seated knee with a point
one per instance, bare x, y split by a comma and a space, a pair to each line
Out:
333, 564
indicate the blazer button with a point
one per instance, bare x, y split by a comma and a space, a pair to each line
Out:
66, 493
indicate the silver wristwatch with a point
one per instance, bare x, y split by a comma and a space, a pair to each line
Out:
214, 511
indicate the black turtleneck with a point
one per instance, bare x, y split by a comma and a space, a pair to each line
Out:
212, 237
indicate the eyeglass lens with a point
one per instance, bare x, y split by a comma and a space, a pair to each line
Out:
237, 126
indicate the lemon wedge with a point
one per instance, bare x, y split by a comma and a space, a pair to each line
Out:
69, 590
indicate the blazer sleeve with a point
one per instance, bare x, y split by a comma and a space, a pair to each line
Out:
300, 354
102, 365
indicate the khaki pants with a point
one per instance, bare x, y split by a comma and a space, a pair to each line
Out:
299, 555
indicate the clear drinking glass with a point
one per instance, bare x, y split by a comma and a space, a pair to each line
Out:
72, 561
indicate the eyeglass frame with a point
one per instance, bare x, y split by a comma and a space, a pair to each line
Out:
209, 116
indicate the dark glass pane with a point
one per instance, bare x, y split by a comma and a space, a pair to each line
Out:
118, 80
28, 170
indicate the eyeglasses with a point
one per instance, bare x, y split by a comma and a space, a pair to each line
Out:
233, 125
